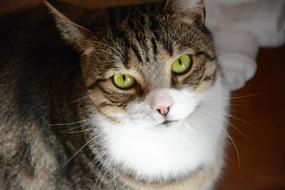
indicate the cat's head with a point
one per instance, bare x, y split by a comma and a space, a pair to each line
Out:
152, 60
146, 76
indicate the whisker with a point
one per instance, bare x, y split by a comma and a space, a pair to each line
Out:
125, 184
76, 127
239, 131
75, 132
115, 176
67, 162
245, 96
226, 133
229, 123
115, 181
70, 123
100, 157
235, 147
223, 103
102, 167
106, 170
224, 114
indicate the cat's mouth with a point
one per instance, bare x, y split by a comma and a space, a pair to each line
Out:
168, 123
173, 122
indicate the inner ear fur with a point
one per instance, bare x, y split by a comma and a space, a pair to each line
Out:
73, 33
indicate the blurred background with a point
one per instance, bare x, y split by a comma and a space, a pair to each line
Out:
257, 124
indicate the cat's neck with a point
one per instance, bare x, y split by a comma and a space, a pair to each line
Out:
196, 180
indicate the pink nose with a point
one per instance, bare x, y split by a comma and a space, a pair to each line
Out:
161, 101
163, 110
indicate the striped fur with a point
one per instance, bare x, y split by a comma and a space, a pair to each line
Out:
62, 101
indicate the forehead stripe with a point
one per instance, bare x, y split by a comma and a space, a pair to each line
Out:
136, 51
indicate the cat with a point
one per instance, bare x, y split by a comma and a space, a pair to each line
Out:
135, 99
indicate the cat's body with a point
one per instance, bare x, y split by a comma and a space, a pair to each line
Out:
34, 66
65, 125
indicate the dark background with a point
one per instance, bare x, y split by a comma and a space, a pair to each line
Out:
258, 111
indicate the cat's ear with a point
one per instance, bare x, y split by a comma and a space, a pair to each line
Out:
187, 9
73, 33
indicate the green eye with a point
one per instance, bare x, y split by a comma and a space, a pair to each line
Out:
182, 64
123, 81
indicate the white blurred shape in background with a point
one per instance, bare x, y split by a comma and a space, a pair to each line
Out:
239, 28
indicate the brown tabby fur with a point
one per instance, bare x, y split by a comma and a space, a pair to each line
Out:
48, 87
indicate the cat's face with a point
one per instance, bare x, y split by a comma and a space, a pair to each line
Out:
146, 64
148, 78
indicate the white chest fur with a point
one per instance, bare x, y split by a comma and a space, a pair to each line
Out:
163, 153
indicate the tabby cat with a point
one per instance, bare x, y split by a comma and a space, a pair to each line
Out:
131, 99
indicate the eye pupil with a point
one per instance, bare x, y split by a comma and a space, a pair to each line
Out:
124, 77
